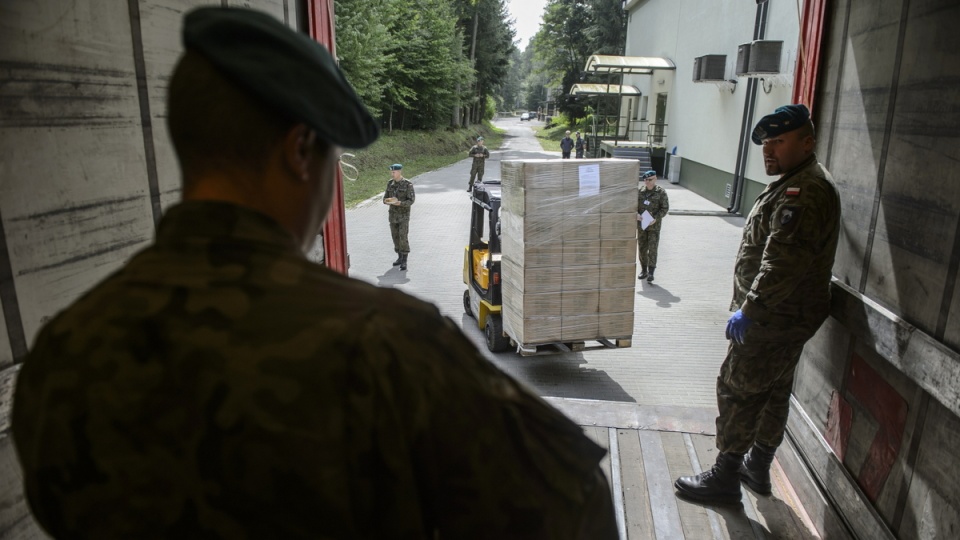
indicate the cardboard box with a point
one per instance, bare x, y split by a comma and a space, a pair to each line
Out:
581, 252
532, 330
531, 280
615, 325
618, 199
531, 304
580, 327
617, 276
617, 300
581, 227
532, 255
618, 226
579, 302
618, 251
580, 278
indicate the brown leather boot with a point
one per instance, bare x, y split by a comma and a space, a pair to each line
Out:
720, 484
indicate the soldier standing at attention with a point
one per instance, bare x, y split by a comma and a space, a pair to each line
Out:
781, 296
400, 196
653, 199
566, 145
221, 385
480, 154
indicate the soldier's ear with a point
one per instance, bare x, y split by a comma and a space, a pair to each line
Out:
298, 150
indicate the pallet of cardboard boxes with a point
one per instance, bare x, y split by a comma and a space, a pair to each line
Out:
568, 244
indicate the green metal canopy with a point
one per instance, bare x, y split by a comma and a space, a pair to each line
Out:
634, 65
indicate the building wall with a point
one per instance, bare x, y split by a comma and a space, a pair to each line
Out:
704, 119
86, 168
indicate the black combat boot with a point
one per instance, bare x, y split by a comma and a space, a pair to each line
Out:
403, 262
720, 484
399, 260
755, 469
643, 272
650, 276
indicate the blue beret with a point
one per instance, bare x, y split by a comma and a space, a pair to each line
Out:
284, 69
648, 174
396, 167
783, 120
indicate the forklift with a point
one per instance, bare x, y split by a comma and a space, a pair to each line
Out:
481, 265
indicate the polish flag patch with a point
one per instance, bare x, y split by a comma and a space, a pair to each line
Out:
793, 191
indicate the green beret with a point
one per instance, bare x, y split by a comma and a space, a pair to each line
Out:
782, 120
285, 69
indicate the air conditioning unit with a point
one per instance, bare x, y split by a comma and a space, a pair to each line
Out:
759, 57
696, 68
743, 59
712, 67
765, 56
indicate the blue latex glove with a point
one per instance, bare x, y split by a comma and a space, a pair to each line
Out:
737, 326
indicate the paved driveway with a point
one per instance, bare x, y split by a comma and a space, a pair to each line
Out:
678, 334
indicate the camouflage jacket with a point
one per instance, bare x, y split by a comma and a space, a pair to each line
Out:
654, 201
478, 153
222, 386
784, 266
403, 190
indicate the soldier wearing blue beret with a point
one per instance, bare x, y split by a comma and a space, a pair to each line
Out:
781, 297
221, 385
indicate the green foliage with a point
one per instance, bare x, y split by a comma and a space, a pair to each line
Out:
420, 151
572, 31
490, 111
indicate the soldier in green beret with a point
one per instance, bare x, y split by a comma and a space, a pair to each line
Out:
781, 297
221, 385
399, 195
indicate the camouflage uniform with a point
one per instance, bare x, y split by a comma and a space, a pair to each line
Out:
657, 203
782, 283
476, 170
399, 216
222, 386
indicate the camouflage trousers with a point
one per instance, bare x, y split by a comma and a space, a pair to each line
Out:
647, 243
753, 389
398, 231
476, 171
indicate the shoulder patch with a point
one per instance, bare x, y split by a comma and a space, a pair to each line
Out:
788, 217
793, 191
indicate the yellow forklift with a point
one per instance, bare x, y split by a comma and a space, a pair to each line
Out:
481, 265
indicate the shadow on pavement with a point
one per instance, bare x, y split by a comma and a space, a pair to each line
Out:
392, 277
662, 296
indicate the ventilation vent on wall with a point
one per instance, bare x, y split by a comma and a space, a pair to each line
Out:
759, 57
696, 68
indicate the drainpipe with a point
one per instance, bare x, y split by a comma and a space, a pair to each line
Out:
746, 125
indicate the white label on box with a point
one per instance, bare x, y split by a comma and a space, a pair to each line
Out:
589, 180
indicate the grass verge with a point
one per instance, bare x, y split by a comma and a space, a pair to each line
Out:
549, 137
418, 151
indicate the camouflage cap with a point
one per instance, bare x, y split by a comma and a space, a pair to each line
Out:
285, 69
782, 120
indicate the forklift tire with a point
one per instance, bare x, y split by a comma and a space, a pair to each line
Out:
496, 341
466, 303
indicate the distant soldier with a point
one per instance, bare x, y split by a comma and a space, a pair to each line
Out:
566, 145
480, 154
653, 200
781, 297
579, 144
400, 195
221, 385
